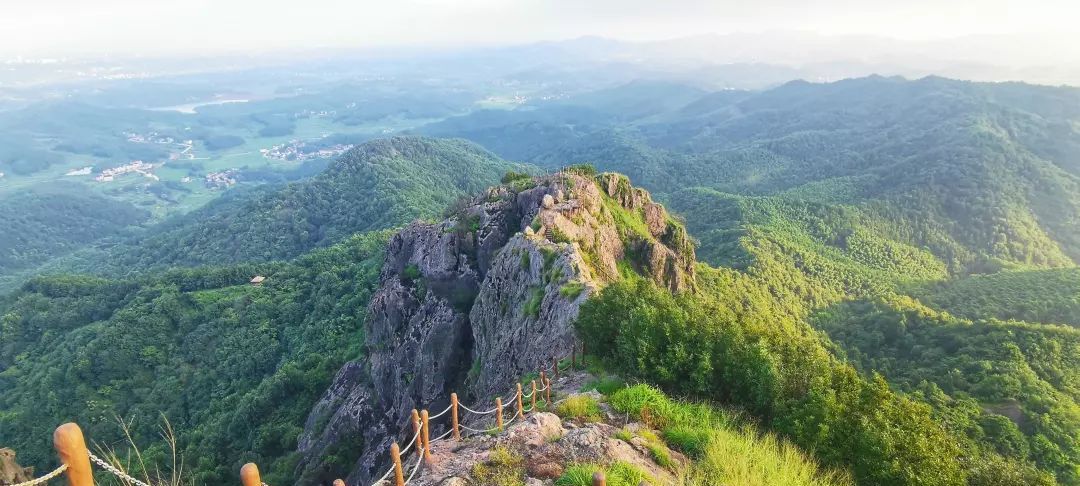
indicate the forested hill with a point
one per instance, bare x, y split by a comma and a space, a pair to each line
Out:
983, 175
381, 184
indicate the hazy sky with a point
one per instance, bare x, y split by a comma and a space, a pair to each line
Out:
37, 27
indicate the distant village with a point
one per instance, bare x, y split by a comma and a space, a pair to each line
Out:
298, 151
138, 166
221, 180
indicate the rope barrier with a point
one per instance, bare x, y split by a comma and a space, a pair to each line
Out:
33, 482
116, 472
467, 409
419, 459
413, 441
440, 414
447, 434
384, 476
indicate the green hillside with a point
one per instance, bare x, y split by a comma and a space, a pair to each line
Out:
234, 367
378, 185
1048, 296
52, 221
889, 278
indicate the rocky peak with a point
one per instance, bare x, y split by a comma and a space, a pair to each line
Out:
473, 302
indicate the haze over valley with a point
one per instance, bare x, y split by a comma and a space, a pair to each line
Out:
786, 243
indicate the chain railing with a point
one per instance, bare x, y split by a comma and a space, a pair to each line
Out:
76, 459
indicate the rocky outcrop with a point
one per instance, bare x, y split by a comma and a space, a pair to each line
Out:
469, 304
542, 445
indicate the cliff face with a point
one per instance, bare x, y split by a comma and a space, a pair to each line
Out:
471, 303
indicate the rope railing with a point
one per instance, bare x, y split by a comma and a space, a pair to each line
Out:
44, 479
76, 460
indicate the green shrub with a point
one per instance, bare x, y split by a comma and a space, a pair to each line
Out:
606, 385
411, 273
580, 407
571, 290
514, 176
587, 170
661, 456
503, 468
578, 475
618, 473
532, 306
525, 261
690, 440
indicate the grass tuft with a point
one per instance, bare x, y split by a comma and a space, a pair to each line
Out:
580, 407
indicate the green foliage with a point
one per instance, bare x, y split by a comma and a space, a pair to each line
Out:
503, 468
512, 176
571, 290
606, 385
722, 451
618, 473
235, 368
378, 185
1027, 372
532, 305
693, 345
45, 223
1048, 296
579, 407
587, 170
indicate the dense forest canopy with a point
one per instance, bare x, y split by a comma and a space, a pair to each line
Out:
888, 278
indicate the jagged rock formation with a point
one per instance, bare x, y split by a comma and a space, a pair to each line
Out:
473, 302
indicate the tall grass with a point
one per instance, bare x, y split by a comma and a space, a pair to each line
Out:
723, 451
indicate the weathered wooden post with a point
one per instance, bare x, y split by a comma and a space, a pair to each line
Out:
498, 413
425, 434
533, 396
520, 406
598, 479
573, 356
555, 366
453, 416
338, 482
416, 427
399, 475
547, 392
71, 447
249, 475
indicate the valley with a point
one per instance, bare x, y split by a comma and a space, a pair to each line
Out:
877, 275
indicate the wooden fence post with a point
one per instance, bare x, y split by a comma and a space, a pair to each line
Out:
249, 475
453, 416
498, 414
573, 355
70, 445
598, 479
416, 426
555, 365
520, 406
547, 391
425, 434
533, 396
399, 475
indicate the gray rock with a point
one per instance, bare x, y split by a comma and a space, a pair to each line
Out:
470, 304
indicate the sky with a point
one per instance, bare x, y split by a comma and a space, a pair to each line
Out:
69, 27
